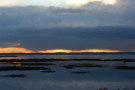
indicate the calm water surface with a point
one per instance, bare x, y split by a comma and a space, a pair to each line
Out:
65, 74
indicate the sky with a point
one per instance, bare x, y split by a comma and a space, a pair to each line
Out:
67, 26
57, 3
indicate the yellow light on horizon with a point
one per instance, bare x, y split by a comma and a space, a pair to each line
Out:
56, 51
25, 50
78, 51
15, 50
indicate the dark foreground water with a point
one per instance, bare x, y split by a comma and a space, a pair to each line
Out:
67, 72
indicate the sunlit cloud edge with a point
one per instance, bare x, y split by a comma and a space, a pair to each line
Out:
25, 50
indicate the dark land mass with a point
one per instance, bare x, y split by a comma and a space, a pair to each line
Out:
85, 53
70, 66
80, 72
53, 60
49, 71
125, 67
13, 68
34, 64
14, 76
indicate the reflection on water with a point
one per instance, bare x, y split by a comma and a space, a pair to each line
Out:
18, 57
64, 73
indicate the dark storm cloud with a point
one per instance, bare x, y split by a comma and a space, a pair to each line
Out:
71, 38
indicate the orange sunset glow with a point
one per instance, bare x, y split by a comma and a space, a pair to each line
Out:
78, 51
15, 50
25, 50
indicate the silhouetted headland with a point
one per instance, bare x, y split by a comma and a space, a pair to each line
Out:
86, 53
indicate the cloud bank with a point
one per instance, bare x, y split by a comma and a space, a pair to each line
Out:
111, 37
90, 26
92, 14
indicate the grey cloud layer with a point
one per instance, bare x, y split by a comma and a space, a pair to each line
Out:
71, 38
90, 26
92, 14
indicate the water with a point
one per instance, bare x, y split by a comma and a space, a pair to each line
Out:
122, 55
64, 72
